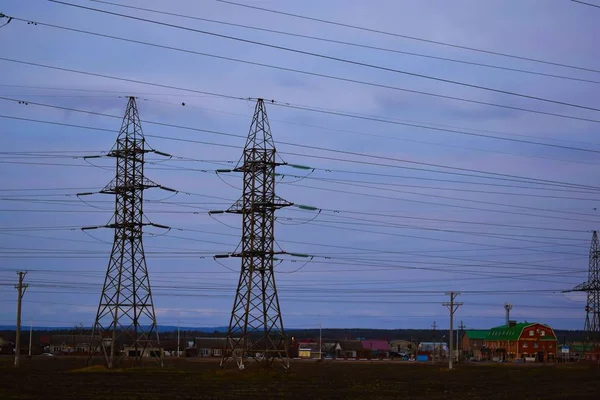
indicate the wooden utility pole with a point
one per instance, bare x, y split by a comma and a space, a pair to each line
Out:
21, 287
452, 307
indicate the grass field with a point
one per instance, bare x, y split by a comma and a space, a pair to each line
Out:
62, 378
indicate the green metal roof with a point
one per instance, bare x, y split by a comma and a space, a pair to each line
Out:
477, 334
508, 332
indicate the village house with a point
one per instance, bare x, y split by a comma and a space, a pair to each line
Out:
210, 347
376, 348
149, 351
403, 347
528, 341
348, 349
69, 344
472, 343
309, 349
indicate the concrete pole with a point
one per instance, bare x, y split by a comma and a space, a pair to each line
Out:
21, 291
320, 341
456, 348
452, 307
450, 359
30, 336
178, 329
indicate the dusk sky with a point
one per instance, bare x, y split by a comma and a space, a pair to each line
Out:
419, 194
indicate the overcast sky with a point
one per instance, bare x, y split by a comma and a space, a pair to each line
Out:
390, 225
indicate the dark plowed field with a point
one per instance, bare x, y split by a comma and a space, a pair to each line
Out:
62, 378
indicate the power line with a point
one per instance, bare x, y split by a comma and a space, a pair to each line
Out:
417, 125
179, 104
421, 126
410, 37
575, 1
321, 39
337, 78
301, 146
337, 59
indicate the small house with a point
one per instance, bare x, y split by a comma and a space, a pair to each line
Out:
348, 349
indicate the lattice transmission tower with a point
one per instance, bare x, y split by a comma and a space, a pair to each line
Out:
592, 308
256, 327
125, 324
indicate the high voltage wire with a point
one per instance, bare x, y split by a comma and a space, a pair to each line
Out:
362, 230
321, 75
408, 37
442, 197
347, 181
321, 39
362, 223
470, 304
309, 147
360, 262
377, 119
422, 253
304, 290
323, 56
575, 1
331, 170
244, 99
419, 125
453, 205
341, 79
314, 126
370, 195
309, 284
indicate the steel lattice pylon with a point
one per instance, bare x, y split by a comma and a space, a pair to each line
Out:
592, 308
256, 327
125, 314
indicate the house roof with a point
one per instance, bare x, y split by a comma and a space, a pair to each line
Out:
477, 334
309, 346
350, 345
210, 342
381, 345
71, 339
504, 332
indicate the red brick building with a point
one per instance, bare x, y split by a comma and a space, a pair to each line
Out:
473, 341
522, 341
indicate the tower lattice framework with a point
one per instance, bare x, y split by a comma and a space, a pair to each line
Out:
256, 327
592, 308
125, 324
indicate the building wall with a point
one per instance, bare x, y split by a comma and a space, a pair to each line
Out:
472, 347
534, 339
